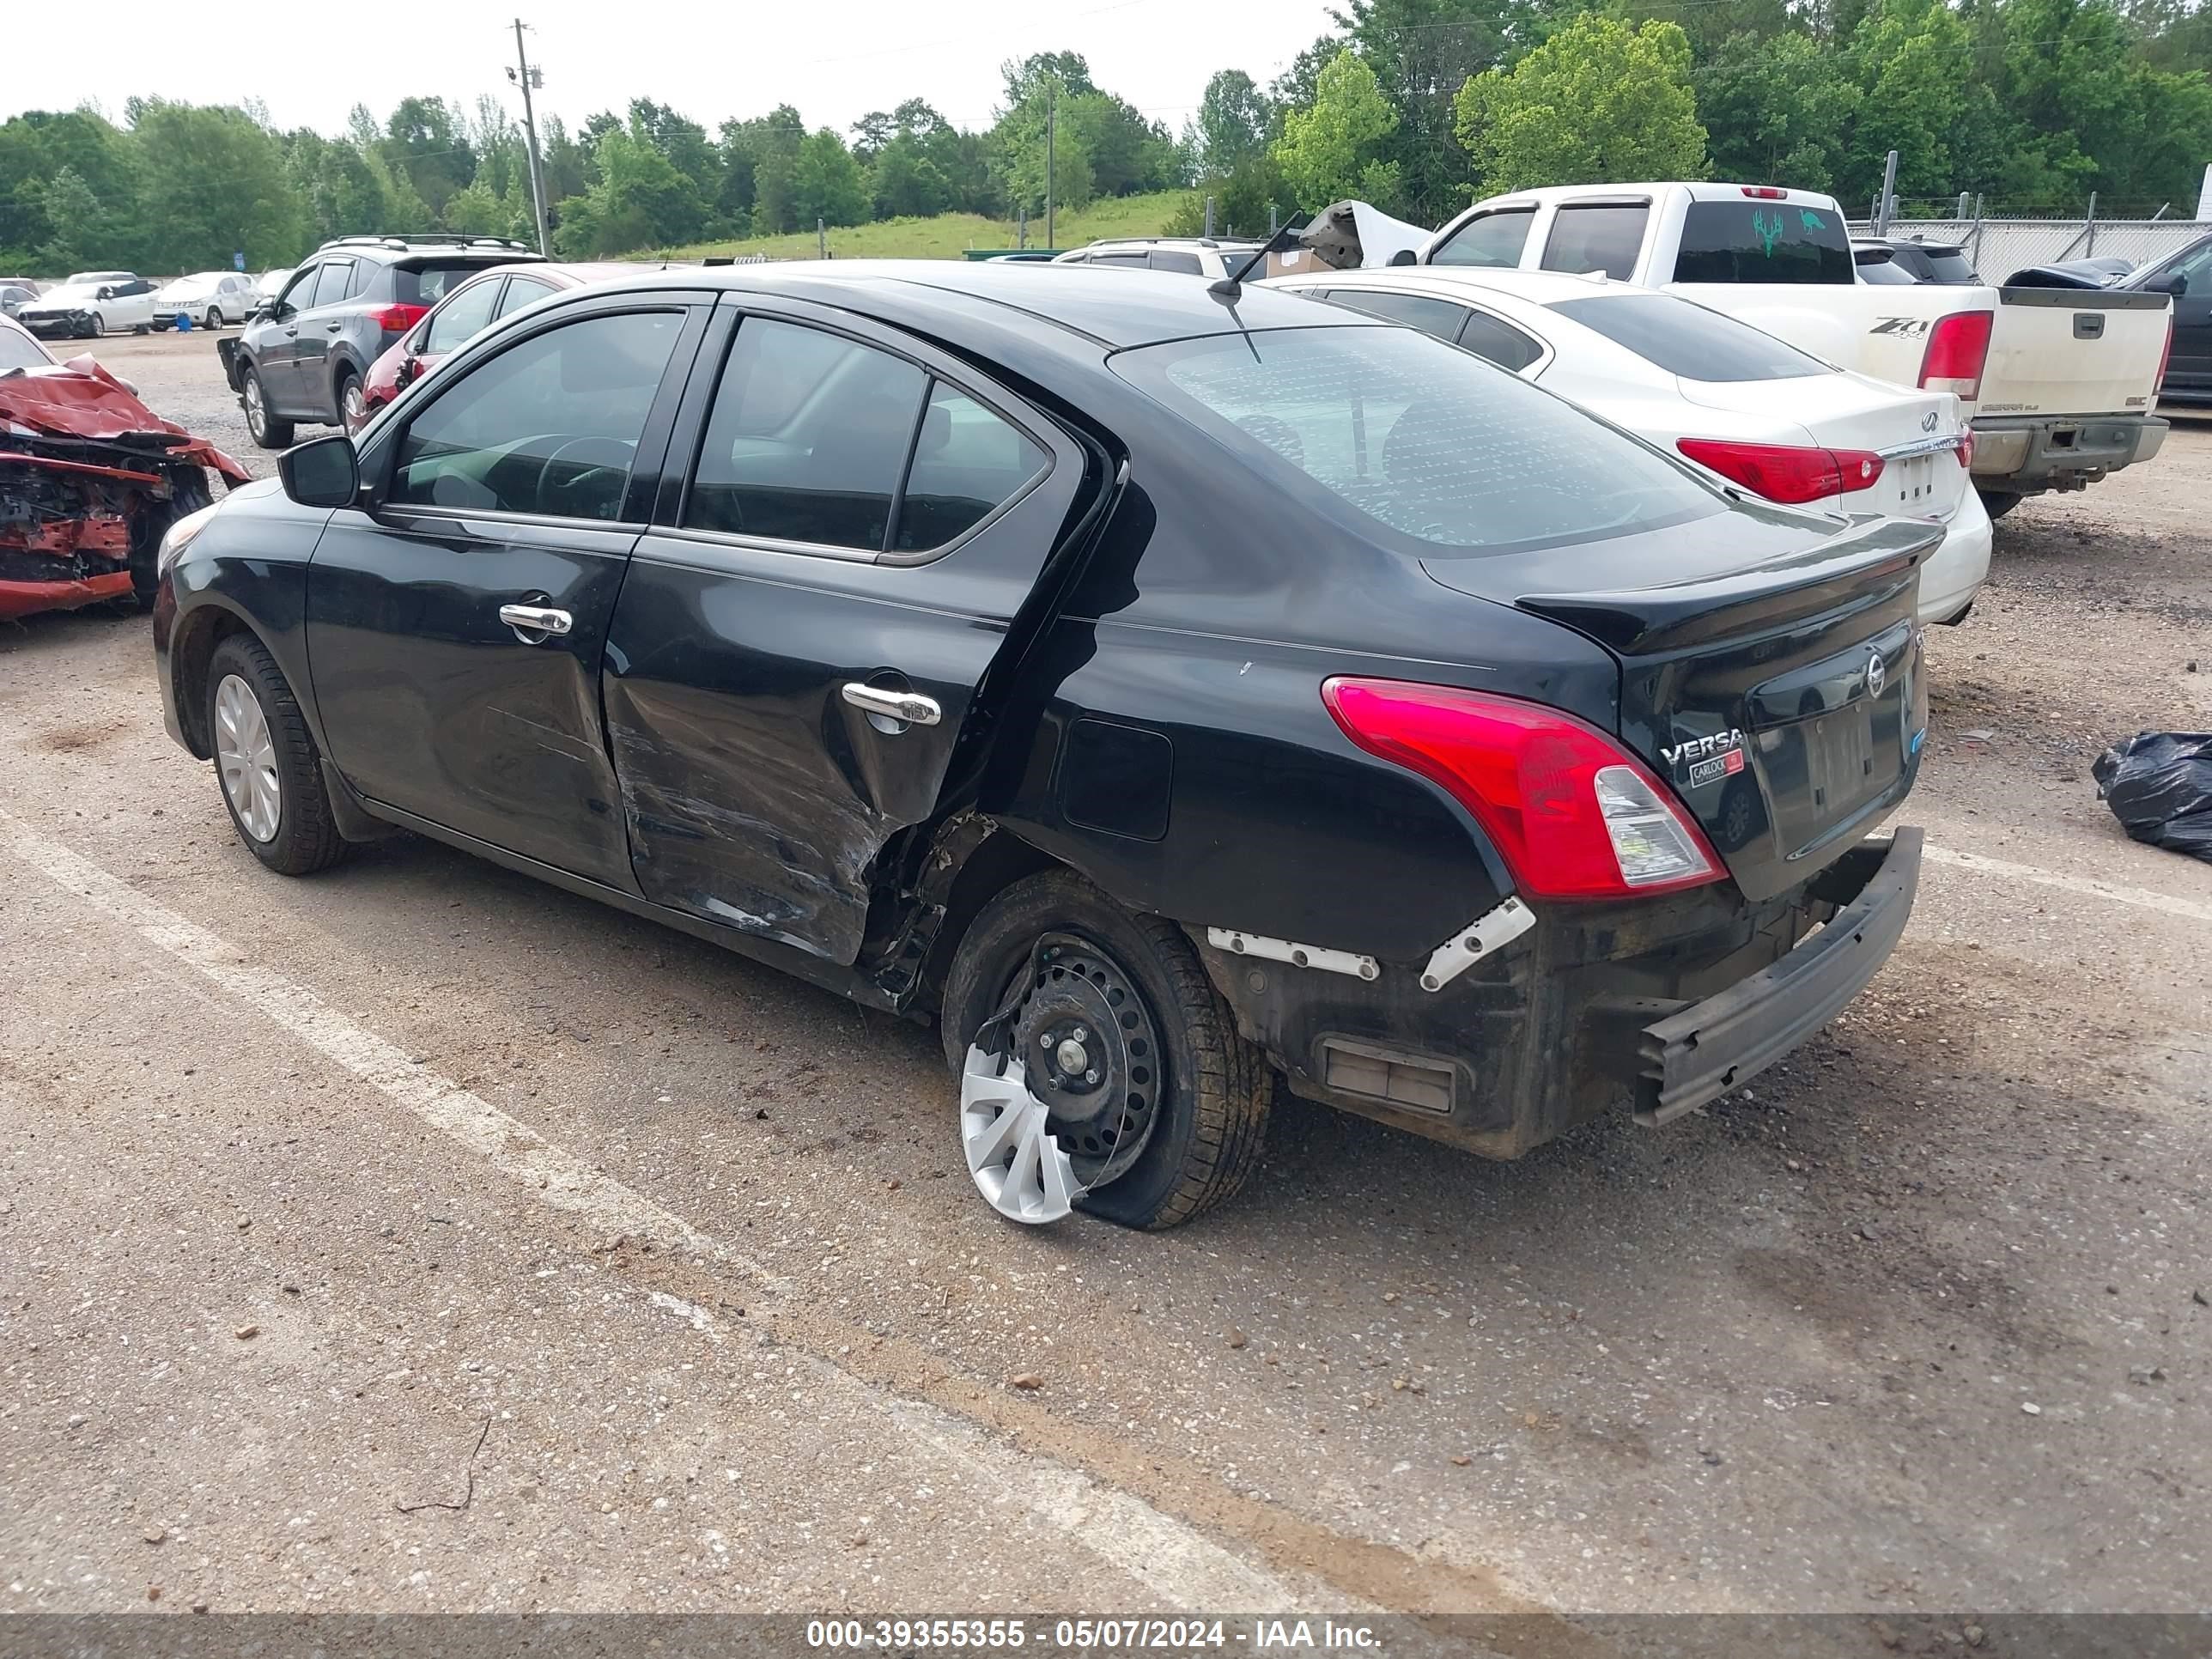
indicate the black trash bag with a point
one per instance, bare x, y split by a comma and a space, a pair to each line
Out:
2159, 785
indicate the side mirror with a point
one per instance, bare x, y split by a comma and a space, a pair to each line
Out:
2174, 282
321, 472
1404, 256
411, 369
104, 293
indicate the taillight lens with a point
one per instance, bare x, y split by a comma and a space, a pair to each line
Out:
1957, 346
1764, 192
2165, 352
398, 319
1781, 473
1967, 448
1573, 815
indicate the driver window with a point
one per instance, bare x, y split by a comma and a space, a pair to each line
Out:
809, 435
548, 427
300, 290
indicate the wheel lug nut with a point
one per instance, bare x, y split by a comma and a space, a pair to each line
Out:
1090, 1076
1079, 1035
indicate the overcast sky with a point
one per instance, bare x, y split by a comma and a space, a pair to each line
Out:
834, 61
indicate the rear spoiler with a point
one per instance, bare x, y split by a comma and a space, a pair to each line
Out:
1870, 553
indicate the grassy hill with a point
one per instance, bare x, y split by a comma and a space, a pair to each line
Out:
947, 234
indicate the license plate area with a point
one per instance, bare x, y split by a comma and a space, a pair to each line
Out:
1910, 483
1849, 743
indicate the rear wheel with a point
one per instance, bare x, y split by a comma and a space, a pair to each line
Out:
1125, 1049
1998, 502
266, 430
266, 761
353, 407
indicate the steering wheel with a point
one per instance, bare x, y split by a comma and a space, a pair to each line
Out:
549, 487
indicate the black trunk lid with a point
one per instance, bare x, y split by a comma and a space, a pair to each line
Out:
1770, 670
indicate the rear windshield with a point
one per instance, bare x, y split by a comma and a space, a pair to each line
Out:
1882, 272
1760, 241
1951, 265
1689, 340
1418, 439
427, 282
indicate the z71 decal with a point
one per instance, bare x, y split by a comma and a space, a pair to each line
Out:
1904, 328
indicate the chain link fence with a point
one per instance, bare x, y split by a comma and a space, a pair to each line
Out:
1997, 247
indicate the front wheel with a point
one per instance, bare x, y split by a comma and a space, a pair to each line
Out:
267, 762
214, 318
99, 327
1125, 1048
261, 424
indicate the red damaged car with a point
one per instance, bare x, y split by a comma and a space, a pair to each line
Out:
90, 479
470, 308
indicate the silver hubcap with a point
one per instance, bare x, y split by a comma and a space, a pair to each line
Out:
253, 414
354, 407
247, 757
1016, 1161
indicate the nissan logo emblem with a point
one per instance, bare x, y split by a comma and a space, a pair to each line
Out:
1877, 676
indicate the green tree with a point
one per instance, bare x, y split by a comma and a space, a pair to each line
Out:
1600, 100
640, 201
826, 182
905, 181
1234, 123
1778, 110
215, 184
758, 159
1915, 61
74, 220
341, 193
1027, 129
1330, 150
427, 139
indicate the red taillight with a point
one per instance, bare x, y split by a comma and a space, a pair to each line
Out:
1573, 815
2165, 352
1967, 448
397, 318
1764, 192
1957, 346
1781, 473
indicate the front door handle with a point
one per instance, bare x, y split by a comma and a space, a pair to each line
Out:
536, 623
909, 707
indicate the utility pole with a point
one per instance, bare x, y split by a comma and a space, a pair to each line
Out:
1886, 203
1051, 144
526, 78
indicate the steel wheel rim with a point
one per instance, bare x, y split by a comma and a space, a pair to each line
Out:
1081, 1003
352, 404
246, 757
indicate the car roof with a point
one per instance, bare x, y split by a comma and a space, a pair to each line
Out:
1721, 190
1103, 306
1908, 241
1541, 288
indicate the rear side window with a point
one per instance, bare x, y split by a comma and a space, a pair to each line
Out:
1596, 237
966, 462
1884, 272
460, 320
1503, 344
1752, 241
808, 439
427, 284
1689, 340
548, 426
1124, 261
1415, 439
1176, 260
330, 284
1432, 316
521, 291
1495, 240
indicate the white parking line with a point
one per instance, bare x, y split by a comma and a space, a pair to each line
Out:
2165, 902
1170, 1559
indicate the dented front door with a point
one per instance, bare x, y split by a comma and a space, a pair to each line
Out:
783, 693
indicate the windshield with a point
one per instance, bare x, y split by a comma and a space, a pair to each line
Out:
1688, 340
20, 351
1418, 439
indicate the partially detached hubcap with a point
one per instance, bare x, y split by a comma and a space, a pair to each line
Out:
1016, 1162
247, 757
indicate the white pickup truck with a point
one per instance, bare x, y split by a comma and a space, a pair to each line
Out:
2059, 383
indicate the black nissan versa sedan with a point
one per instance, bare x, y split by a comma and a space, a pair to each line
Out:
1161, 684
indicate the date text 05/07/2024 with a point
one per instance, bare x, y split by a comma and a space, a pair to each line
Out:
1162, 1635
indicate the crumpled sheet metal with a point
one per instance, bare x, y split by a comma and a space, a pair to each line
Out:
80, 399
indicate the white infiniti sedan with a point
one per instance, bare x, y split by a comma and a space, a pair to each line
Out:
1764, 416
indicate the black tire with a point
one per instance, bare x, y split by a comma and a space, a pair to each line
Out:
1215, 1088
306, 837
214, 318
98, 329
1998, 502
347, 385
265, 428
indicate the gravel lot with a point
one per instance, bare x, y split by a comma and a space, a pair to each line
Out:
302, 1184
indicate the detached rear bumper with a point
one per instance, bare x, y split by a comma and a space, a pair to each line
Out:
226, 353
1662, 1004
1711, 1047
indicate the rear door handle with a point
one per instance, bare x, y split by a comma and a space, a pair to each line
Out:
910, 707
333, 327
541, 621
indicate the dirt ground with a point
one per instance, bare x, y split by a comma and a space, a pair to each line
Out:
656, 1275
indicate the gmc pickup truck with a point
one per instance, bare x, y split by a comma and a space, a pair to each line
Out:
2059, 385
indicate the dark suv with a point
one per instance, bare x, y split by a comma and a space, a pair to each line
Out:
303, 356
